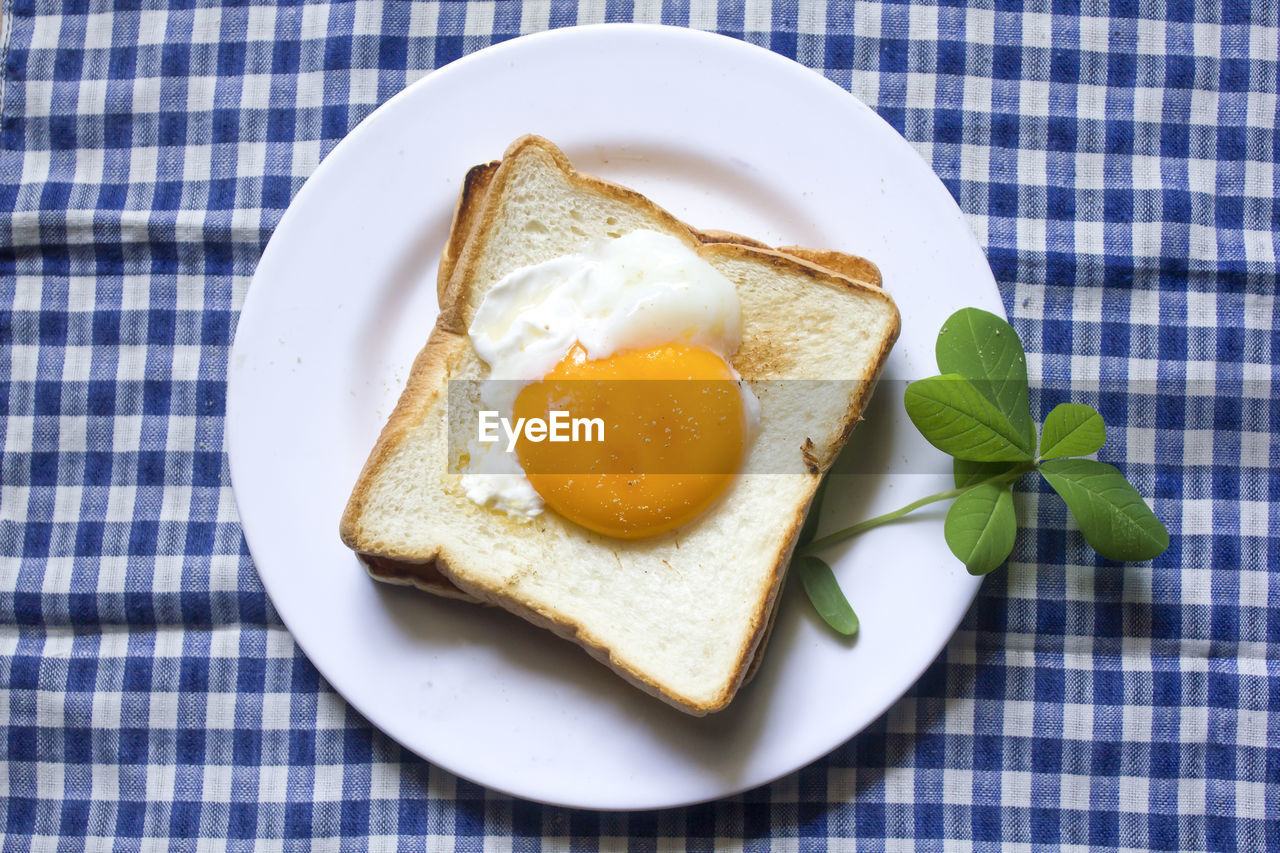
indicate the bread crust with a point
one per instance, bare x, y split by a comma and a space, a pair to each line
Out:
850, 266
475, 215
465, 213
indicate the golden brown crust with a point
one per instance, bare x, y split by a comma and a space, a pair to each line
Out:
850, 266
474, 219
474, 188
784, 261
713, 235
757, 659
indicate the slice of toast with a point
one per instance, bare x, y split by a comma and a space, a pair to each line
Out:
424, 575
680, 615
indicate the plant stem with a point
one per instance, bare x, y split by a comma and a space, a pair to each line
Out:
863, 526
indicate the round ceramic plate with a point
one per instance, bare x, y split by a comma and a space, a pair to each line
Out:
724, 135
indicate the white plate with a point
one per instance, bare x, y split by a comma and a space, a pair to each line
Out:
724, 135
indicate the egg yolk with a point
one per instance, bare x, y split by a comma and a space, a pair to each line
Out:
674, 434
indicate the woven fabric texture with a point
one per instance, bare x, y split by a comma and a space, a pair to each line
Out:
1118, 164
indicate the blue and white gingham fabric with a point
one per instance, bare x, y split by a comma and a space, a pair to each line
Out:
1118, 161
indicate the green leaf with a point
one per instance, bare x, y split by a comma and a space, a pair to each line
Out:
956, 418
1072, 429
983, 348
810, 527
980, 527
969, 473
1114, 518
821, 587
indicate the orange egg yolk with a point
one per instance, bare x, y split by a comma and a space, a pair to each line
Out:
674, 434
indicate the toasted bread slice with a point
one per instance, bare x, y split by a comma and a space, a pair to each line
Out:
680, 615
424, 575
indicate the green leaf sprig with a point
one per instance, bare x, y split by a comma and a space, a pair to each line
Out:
976, 410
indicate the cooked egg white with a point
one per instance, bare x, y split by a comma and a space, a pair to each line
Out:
640, 289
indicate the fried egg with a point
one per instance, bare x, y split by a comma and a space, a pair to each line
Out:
573, 333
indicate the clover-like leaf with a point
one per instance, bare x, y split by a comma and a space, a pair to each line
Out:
969, 473
980, 527
983, 348
1113, 517
824, 591
958, 419
977, 412
1072, 429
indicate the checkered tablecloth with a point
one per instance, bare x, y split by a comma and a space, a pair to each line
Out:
1118, 164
